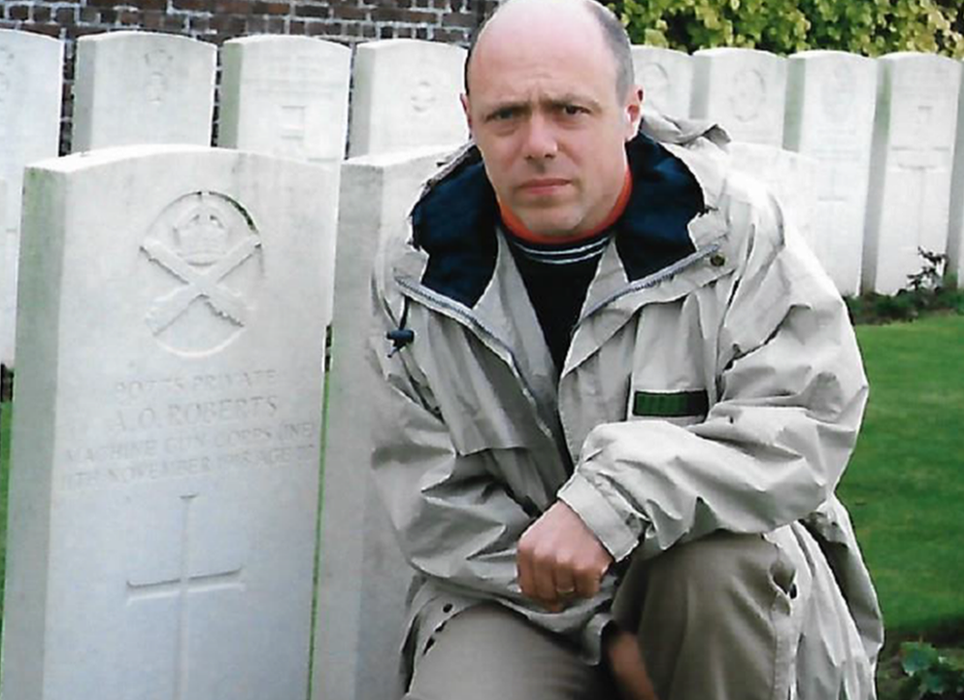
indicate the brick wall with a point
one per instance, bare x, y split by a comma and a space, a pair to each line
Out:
344, 21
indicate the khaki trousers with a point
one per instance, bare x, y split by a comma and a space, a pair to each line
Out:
713, 618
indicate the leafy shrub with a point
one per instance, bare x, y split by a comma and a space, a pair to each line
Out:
930, 674
867, 27
927, 290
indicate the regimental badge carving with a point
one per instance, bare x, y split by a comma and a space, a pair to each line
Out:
158, 68
210, 258
423, 96
748, 94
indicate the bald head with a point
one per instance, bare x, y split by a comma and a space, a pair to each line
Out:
516, 18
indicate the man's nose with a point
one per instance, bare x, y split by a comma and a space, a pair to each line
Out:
540, 138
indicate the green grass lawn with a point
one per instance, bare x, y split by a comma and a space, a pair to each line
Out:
905, 485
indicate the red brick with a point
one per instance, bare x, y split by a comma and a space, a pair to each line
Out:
19, 12
41, 13
355, 13
390, 14
314, 11
51, 30
233, 7
454, 19
153, 20
270, 8
65, 15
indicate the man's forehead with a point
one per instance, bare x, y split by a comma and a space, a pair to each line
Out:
526, 32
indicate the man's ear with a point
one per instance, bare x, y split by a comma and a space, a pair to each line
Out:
634, 111
464, 99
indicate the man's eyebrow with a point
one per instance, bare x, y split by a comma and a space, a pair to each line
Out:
570, 99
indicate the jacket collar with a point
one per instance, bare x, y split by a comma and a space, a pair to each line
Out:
454, 222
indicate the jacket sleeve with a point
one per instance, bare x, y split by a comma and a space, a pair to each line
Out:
790, 394
455, 523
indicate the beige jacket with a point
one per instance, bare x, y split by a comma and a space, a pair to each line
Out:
721, 392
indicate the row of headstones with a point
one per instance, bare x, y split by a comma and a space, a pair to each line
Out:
279, 95
164, 483
861, 151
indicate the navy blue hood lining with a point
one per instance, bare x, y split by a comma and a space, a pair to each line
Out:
454, 223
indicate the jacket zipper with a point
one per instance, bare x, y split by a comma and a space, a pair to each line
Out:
651, 280
443, 305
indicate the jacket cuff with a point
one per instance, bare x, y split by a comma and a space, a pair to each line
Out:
616, 536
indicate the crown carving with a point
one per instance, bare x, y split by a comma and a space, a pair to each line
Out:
203, 238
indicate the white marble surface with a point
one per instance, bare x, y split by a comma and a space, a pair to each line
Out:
285, 96
666, 77
363, 578
830, 116
164, 481
141, 88
406, 95
909, 198
31, 87
791, 177
742, 89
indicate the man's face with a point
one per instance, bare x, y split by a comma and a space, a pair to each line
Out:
543, 109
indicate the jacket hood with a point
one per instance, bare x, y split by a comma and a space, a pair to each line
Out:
455, 220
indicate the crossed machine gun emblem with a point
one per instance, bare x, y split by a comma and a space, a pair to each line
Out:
202, 263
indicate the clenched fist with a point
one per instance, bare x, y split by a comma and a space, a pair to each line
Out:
560, 559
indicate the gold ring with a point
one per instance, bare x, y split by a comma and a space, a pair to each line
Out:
566, 592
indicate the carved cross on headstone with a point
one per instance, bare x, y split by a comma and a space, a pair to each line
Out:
181, 586
292, 132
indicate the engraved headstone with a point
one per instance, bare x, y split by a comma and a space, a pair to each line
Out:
285, 96
31, 85
744, 90
406, 95
141, 88
830, 117
666, 77
164, 479
908, 203
363, 578
791, 177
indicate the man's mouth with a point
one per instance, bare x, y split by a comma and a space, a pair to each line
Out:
543, 185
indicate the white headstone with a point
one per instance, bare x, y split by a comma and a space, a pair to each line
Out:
406, 95
164, 480
744, 90
955, 231
909, 199
791, 177
363, 578
666, 77
830, 117
31, 86
285, 96
141, 88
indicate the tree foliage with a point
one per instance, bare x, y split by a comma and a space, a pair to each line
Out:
867, 27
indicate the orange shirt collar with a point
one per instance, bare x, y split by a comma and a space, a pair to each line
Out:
518, 229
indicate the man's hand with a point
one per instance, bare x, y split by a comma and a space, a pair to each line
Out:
560, 559
626, 663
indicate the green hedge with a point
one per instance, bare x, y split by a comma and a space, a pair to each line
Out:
867, 27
